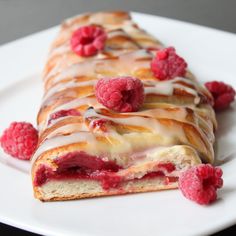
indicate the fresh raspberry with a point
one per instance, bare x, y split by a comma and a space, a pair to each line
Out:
62, 113
122, 94
20, 140
88, 40
222, 93
200, 183
168, 65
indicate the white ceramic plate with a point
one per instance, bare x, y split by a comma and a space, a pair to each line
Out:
211, 56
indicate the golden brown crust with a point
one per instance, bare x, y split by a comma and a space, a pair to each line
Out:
87, 195
143, 189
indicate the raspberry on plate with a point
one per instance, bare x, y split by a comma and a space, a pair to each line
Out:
20, 140
200, 183
167, 64
121, 94
222, 93
88, 40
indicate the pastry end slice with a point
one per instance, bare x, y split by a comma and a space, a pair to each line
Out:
64, 180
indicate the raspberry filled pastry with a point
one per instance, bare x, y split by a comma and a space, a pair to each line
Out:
120, 113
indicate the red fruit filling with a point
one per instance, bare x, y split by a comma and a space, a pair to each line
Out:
79, 165
100, 124
62, 113
168, 166
84, 160
74, 165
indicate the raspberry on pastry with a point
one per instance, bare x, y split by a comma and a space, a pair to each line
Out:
167, 64
121, 94
88, 40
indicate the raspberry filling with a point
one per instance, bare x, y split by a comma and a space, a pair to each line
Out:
100, 124
79, 165
63, 113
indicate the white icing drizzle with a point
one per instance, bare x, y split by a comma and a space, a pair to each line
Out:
162, 89
167, 87
67, 106
75, 70
53, 122
78, 102
71, 84
116, 33
150, 123
98, 19
68, 128
207, 128
124, 64
59, 141
163, 113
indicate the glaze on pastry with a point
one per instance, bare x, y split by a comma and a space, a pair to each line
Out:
85, 149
